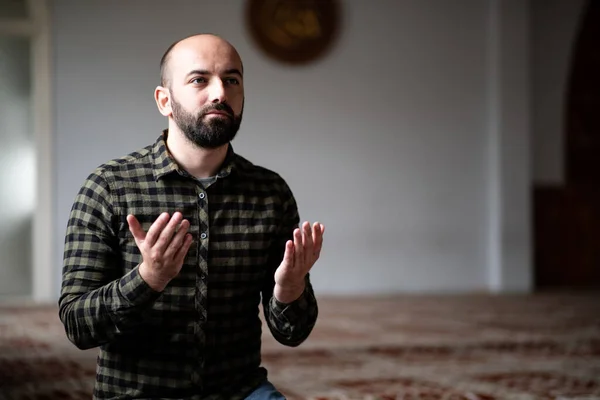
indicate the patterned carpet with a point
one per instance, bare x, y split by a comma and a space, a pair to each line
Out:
413, 347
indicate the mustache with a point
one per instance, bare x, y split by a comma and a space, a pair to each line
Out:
222, 107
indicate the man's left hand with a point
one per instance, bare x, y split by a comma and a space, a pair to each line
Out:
299, 257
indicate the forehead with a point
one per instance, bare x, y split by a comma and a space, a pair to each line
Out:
214, 57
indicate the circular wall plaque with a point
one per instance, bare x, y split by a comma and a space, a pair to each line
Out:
293, 31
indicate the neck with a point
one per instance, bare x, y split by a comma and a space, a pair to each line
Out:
197, 161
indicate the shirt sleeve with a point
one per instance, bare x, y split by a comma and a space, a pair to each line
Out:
97, 302
290, 324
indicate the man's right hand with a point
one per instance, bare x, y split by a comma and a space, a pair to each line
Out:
163, 248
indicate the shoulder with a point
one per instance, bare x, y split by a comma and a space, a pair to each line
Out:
101, 180
135, 163
136, 159
262, 176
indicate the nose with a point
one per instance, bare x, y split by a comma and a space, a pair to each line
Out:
216, 91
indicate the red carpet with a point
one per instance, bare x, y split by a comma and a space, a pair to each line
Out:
422, 347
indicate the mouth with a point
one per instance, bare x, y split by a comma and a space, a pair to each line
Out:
221, 113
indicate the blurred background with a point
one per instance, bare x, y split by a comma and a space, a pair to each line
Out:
448, 146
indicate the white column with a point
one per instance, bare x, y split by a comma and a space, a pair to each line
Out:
509, 238
44, 279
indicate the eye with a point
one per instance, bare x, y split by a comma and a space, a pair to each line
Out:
232, 81
198, 80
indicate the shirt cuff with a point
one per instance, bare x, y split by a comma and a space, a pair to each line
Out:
299, 305
135, 291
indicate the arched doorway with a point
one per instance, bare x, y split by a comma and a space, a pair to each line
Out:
567, 218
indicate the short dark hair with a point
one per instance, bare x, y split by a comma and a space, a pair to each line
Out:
163, 65
164, 61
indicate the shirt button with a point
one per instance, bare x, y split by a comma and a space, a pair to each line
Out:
203, 278
202, 195
203, 235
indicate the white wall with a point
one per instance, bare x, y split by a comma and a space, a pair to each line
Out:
388, 141
509, 248
554, 29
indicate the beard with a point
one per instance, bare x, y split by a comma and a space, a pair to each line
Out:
204, 132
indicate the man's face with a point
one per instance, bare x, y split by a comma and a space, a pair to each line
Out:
207, 92
211, 127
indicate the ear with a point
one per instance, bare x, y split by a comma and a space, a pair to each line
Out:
162, 96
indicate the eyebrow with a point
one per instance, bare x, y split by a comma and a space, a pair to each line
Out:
231, 71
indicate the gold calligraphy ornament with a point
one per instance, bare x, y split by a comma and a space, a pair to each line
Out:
293, 31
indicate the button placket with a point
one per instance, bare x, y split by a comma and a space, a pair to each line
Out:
202, 197
202, 265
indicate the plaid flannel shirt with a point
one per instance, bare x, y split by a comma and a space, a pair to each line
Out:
200, 338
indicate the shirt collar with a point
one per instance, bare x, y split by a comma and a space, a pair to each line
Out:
164, 164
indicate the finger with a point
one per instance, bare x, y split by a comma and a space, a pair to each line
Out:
318, 239
177, 240
156, 228
183, 250
288, 255
135, 228
167, 233
307, 237
298, 249
307, 240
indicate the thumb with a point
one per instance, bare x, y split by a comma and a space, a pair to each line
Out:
135, 228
